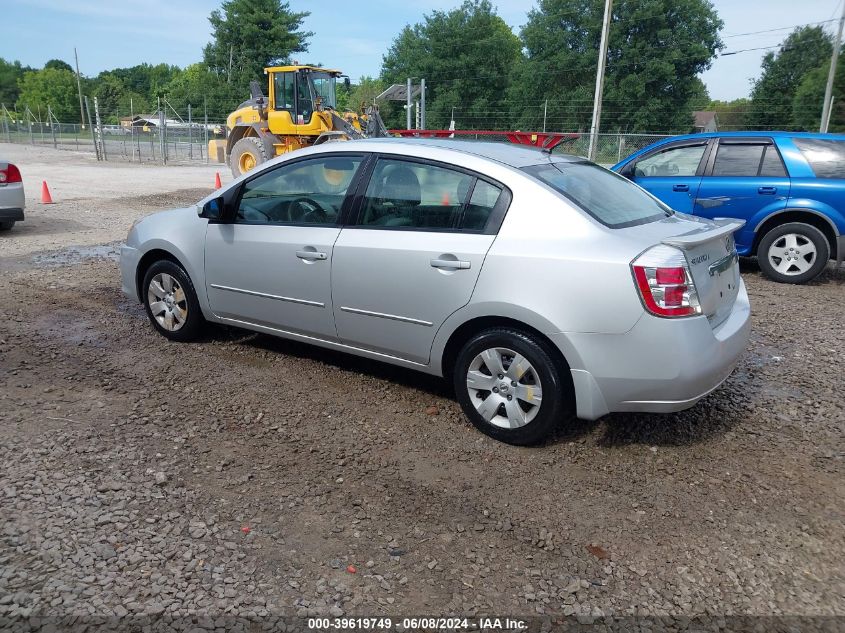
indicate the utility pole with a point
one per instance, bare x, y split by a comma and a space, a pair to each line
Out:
828, 91
422, 104
594, 128
408, 106
79, 88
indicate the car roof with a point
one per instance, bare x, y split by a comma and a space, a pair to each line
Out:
753, 134
502, 152
738, 134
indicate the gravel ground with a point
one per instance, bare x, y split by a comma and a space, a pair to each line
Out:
249, 476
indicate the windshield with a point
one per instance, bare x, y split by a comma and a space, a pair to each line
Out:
608, 197
324, 87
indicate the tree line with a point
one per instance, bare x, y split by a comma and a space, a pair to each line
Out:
478, 72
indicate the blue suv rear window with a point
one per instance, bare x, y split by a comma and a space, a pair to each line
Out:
826, 156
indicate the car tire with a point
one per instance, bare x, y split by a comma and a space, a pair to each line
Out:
504, 408
7, 225
171, 301
793, 253
247, 154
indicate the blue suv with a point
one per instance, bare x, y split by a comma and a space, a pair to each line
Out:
789, 188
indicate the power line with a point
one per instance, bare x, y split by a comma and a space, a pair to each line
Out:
781, 28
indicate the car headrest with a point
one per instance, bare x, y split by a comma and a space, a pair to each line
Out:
402, 186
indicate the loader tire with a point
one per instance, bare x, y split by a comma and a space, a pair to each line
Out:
246, 155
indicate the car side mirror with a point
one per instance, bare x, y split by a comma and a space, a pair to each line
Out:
213, 210
346, 82
628, 171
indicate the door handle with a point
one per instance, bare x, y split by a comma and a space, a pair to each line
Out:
450, 264
311, 255
767, 191
680, 187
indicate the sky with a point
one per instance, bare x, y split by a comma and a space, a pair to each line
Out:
119, 33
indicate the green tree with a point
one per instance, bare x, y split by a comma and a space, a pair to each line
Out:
656, 50
362, 94
58, 64
808, 102
466, 56
50, 87
804, 50
145, 79
248, 35
110, 93
731, 113
198, 86
10, 74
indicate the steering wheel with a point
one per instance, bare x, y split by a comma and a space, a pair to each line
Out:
313, 211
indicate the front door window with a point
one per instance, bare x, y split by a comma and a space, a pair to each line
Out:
678, 161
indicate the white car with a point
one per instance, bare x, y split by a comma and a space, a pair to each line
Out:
12, 199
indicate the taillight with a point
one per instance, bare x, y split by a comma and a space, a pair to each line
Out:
665, 284
10, 174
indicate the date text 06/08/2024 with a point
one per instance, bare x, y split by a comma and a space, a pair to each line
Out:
416, 623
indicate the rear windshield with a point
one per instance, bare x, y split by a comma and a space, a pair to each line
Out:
608, 197
826, 156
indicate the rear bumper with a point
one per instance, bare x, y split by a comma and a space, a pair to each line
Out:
660, 365
11, 214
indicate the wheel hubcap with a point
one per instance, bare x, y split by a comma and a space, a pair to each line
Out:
792, 254
167, 301
504, 388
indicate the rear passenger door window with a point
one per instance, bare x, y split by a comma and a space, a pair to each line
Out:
738, 160
419, 196
772, 164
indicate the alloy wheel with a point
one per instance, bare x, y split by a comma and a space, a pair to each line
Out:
792, 254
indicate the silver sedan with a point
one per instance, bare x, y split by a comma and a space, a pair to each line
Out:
12, 199
542, 286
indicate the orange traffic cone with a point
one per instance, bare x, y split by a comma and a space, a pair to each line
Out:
46, 198
445, 201
217, 183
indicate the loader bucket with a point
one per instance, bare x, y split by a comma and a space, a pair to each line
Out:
217, 150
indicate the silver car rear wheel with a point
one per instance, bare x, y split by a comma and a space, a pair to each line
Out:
504, 388
167, 301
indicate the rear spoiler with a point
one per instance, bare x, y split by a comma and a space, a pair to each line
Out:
723, 228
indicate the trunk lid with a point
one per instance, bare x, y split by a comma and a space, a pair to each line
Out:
710, 252
714, 265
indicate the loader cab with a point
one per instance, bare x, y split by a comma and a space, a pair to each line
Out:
298, 91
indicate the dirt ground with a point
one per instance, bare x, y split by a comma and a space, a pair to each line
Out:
246, 475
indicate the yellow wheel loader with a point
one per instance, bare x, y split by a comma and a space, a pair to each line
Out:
299, 111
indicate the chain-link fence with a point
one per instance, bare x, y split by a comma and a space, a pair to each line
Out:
178, 139
141, 138
610, 148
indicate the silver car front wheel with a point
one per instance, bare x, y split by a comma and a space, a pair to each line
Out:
167, 301
171, 302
